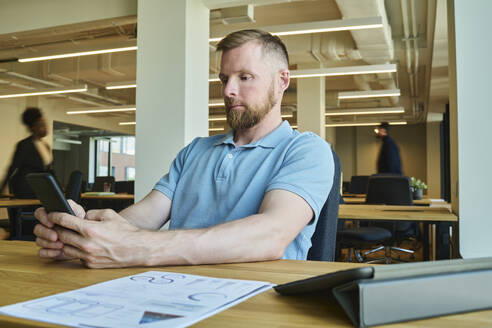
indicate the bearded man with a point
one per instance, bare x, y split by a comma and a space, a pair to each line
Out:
253, 194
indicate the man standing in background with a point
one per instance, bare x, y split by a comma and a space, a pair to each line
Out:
389, 157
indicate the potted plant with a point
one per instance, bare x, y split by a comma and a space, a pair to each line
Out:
417, 186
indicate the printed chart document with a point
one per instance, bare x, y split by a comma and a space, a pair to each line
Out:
149, 299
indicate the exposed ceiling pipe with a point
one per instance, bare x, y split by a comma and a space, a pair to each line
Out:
374, 46
408, 46
315, 49
415, 45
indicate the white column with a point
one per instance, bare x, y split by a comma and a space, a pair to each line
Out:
471, 118
172, 78
311, 105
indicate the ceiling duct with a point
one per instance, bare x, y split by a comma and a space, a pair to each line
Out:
236, 15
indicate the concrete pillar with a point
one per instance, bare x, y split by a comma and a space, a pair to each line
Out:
470, 119
311, 105
172, 79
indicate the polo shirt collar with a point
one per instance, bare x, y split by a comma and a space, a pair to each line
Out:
269, 141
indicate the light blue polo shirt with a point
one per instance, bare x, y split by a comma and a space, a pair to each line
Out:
212, 181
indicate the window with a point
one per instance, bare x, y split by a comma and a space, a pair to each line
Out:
116, 144
129, 145
102, 158
115, 156
129, 173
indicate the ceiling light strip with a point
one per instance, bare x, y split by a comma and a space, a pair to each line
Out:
362, 124
365, 111
334, 71
102, 110
134, 123
77, 54
348, 24
223, 118
347, 70
368, 94
123, 85
48, 91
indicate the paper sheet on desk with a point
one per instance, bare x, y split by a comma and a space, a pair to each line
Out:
149, 299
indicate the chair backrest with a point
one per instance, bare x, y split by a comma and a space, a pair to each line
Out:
324, 237
389, 190
74, 185
100, 182
126, 187
358, 184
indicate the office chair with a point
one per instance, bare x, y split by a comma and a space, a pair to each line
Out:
391, 190
22, 222
358, 184
125, 187
74, 185
324, 238
99, 183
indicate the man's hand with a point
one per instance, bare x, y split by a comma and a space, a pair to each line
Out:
47, 237
103, 240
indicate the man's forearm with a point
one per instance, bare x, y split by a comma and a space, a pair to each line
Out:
134, 215
243, 240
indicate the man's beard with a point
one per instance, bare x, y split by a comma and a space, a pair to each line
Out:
250, 115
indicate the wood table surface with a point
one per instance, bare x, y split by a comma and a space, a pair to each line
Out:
18, 202
395, 212
25, 277
423, 201
115, 196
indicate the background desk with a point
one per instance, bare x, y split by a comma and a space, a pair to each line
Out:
424, 201
25, 277
117, 202
429, 215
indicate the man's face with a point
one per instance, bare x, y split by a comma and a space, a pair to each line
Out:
248, 85
380, 132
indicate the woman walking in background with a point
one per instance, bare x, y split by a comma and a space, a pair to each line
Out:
32, 155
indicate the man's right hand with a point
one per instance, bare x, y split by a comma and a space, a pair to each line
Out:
46, 235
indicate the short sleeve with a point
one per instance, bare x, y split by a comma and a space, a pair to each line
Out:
167, 184
307, 170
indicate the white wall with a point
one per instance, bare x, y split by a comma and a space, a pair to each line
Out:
471, 116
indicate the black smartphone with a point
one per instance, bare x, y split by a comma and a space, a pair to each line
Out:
48, 192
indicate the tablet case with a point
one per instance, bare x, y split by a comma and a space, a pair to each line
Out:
403, 292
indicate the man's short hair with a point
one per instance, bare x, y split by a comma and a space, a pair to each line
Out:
271, 45
384, 125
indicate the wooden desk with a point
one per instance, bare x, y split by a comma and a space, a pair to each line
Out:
424, 201
395, 212
428, 215
25, 277
116, 202
347, 194
115, 196
18, 202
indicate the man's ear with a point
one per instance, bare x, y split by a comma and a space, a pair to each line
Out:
284, 79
